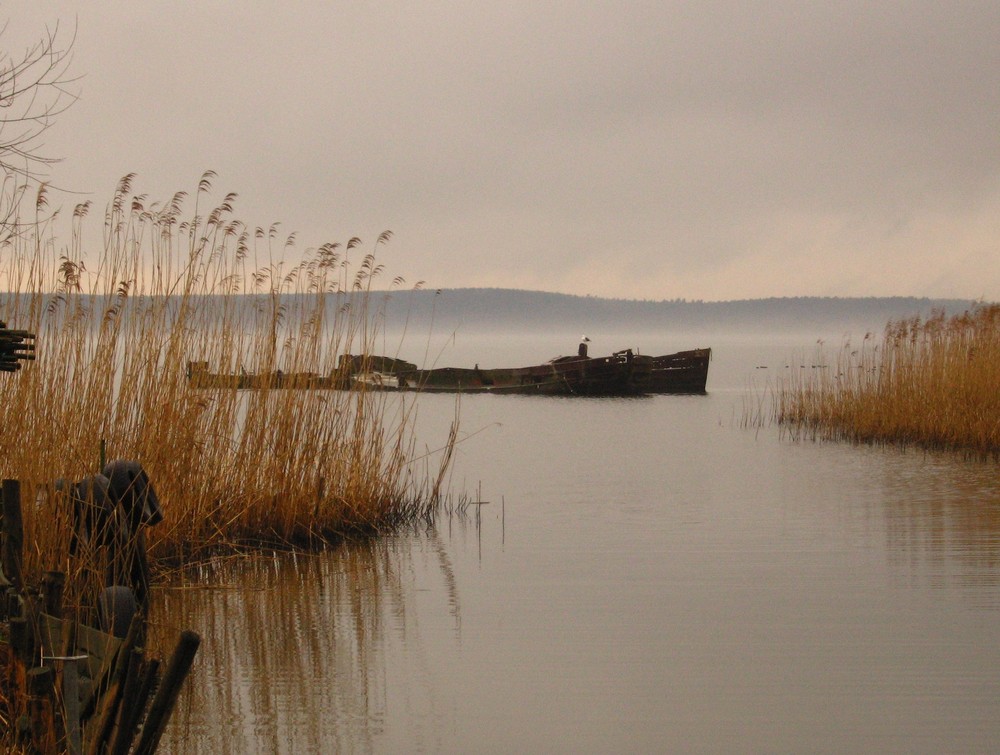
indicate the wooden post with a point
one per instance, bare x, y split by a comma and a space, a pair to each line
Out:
53, 583
166, 696
124, 729
13, 530
11, 603
21, 639
110, 688
71, 706
140, 576
22, 647
41, 709
150, 674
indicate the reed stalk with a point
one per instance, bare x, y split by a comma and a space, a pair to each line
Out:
232, 468
931, 383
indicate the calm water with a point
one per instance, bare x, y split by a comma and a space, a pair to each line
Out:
645, 577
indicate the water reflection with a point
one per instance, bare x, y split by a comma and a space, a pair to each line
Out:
942, 518
661, 582
294, 648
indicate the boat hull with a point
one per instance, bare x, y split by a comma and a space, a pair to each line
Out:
682, 372
617, 375
621, 374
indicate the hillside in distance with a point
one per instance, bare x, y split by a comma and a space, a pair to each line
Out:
500, 310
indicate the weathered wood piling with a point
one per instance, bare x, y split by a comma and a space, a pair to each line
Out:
72, 687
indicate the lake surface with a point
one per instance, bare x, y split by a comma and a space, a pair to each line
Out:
646, 576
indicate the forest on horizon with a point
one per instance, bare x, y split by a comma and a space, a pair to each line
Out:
501, 309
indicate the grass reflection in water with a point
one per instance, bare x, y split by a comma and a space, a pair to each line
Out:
295, 646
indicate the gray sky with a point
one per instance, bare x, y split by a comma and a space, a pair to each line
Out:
716, 149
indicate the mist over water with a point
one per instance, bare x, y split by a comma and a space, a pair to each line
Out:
643, 575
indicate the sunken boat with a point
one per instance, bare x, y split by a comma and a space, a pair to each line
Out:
617, 375
683, 372
623, 373
620, 374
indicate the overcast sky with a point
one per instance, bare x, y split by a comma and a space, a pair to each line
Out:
713, 149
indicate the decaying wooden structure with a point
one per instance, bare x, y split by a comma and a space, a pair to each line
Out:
77, 678
623, 373
71, 686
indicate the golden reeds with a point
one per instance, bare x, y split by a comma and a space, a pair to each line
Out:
115, 334
931, 382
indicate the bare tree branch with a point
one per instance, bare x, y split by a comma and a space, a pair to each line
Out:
35, 88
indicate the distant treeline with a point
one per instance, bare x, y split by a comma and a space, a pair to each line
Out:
507, 310
504, 309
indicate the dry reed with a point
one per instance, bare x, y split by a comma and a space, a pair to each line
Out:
231, 467
932, 383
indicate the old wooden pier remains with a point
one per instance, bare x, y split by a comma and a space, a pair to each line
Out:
77, 678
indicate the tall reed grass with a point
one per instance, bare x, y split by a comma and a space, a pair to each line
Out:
115, 332
933, 382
